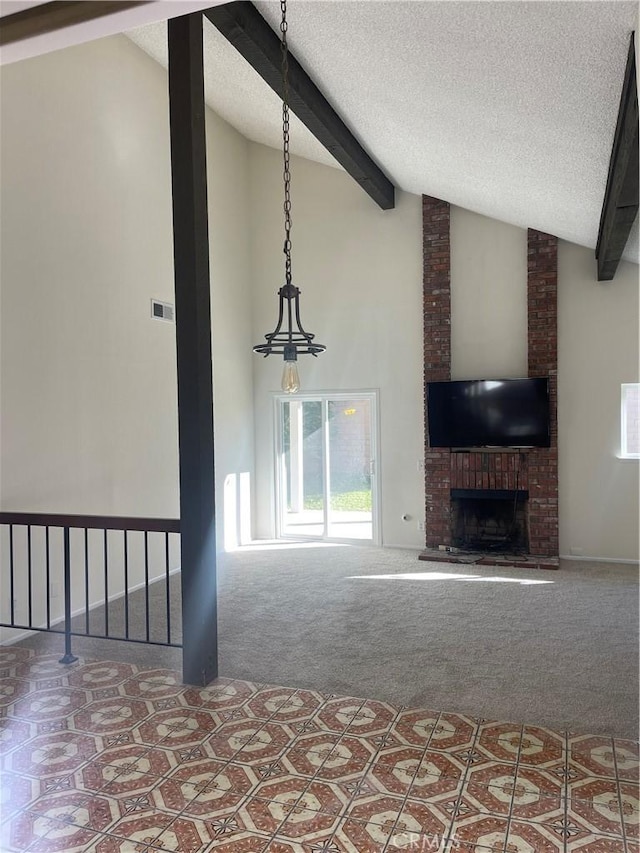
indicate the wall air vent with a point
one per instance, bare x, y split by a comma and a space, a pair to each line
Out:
162, 311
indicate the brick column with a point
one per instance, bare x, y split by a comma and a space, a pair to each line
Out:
542, 290
437, 361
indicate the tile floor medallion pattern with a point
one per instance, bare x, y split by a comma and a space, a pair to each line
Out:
103, 757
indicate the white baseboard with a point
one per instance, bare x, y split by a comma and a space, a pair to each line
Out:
13, 640
416, 548
599, 559
80, 610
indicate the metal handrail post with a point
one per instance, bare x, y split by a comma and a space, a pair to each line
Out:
68, 656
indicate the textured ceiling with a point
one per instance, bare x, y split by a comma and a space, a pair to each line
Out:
505, 108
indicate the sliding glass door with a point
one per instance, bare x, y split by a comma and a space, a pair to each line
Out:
326, 451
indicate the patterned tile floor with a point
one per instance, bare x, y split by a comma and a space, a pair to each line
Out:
103, 757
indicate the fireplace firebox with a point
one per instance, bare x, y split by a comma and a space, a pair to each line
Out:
490, 520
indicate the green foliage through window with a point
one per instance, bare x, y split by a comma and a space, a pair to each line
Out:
357, 501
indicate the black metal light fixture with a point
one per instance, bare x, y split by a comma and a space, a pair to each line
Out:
291, 341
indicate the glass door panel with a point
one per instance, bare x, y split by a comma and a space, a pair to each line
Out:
350, 463
303, 504
326, 467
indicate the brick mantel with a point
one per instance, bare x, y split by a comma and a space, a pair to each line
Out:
537, 468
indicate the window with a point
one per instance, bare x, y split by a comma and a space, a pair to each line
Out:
630, 421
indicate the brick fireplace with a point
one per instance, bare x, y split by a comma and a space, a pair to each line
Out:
527, 480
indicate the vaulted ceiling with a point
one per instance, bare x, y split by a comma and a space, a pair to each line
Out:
505, 108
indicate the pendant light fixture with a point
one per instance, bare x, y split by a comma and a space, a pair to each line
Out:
292, 340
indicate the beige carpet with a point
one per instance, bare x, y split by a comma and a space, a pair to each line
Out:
555, 648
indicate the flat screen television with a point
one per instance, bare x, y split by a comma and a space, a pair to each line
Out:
489, 413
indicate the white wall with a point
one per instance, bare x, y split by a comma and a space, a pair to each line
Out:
88, 379
86, 241
598, 333
231, 319
360, 273
89, 414
488, 298
597, 351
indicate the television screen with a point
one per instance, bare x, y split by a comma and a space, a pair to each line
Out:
489, 413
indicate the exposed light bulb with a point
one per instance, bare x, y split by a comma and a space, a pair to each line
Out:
290, 379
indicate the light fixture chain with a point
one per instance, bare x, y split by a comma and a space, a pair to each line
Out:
289, 338
285, 141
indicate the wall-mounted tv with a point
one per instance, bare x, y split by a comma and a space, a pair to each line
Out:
489, 413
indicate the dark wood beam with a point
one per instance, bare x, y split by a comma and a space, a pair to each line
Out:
49, 17
620, 206
193, 340
249, 33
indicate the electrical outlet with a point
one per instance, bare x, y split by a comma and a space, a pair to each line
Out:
421, 526
576, 552
54, 590
420, 466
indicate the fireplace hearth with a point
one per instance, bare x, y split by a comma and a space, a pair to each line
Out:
489, 520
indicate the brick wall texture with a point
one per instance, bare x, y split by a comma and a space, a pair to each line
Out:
542, 302
535, 470
437, 359
492, 470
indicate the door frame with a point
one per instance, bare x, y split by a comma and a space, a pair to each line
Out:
324, 397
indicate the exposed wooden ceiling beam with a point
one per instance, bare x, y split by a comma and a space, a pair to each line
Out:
49, 17
249, 33
620, 206
30, 28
